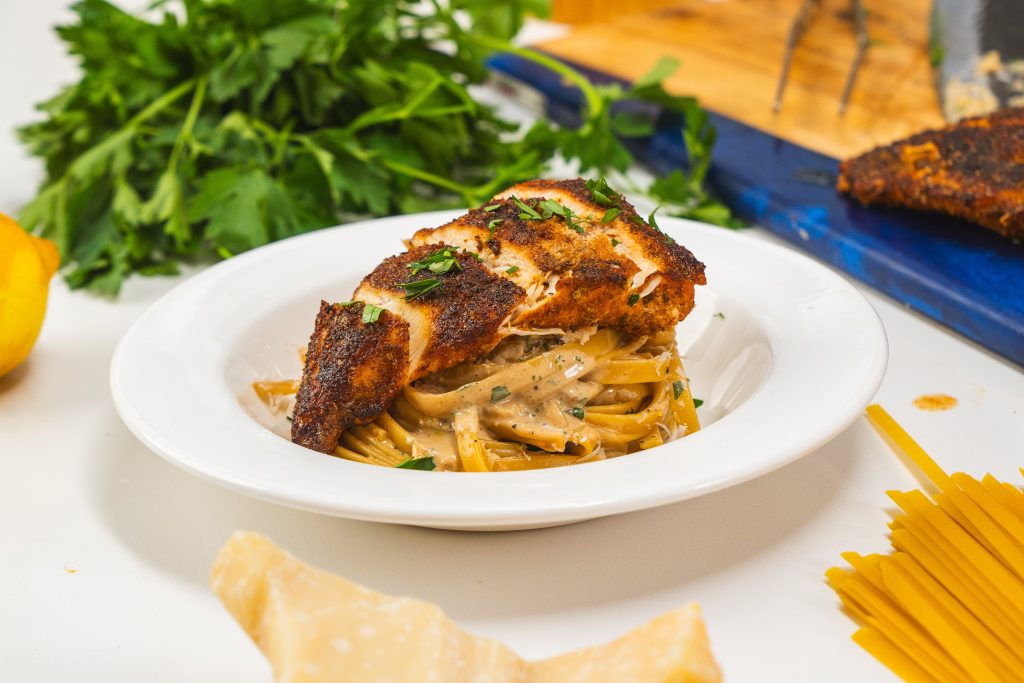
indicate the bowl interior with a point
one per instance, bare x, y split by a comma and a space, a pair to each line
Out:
726, 352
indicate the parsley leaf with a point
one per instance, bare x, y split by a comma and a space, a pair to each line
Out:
424, 463
578, 413
203, 129
633, 299
697, 403
371, 312
601, 193
527, 212
440, 261
553, 208
499, 392
418, 288
677, 389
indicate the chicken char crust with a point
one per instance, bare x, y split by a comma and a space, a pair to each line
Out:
593, 276
465, 313
353, 372
673, 259
973, 169
524, 273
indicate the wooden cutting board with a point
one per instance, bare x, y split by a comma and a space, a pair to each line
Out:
732, 51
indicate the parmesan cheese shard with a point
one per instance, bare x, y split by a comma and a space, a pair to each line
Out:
316, 627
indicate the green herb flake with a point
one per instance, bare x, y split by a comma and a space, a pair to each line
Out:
611, 214
615, 243
493, 224
633, 299
418, 288
371, 312
697, 403
601, 193
492, 207
499, 392
719, 315
527, 212
441, 261
552, 208
512, 269
677, 389
474, 255
425, 463
654, 224
578, 413
345, 304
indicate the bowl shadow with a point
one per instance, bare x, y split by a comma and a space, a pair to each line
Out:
176, 522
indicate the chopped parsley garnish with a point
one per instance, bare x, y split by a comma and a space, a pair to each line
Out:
371, 312
697, 403
602, 194
677, 389
527, 212
654, 224
417, 288
633, 298
611, 214
345, 304
492, 207
719, 315
578, 413
499, 392
615, 242
424, 463
440, 261
493, 224
553, 208
512, 269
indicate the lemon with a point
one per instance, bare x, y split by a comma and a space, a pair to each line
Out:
26, 265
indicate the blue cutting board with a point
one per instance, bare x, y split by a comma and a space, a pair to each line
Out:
961, 275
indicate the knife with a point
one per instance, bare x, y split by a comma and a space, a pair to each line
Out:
977, 50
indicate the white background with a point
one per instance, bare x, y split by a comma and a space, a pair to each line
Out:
78, 492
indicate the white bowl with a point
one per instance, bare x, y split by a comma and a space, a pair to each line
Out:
784, 353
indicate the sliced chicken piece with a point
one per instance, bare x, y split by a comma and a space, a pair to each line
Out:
357, 364
582, 271
354, 370
459, 320
973, 169
542, 255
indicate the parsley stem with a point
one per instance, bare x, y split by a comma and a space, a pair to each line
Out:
160, 103
190, 121
468, 193
590, 94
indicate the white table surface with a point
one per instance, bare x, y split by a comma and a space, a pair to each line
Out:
105, 547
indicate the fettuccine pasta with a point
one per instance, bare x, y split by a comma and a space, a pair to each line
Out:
534, 402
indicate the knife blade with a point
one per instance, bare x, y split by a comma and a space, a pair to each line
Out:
977, 50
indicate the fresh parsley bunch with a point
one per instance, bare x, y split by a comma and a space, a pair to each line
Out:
222, 125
